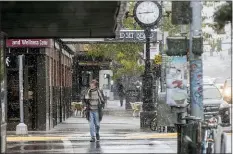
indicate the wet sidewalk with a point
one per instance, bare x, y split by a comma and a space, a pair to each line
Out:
119, 134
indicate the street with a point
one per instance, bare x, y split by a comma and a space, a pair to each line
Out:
119, 134
215, 67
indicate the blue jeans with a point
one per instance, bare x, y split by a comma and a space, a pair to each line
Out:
94, 123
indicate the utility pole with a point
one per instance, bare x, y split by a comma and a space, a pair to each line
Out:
21, 128
162, 78
196, 67
196, 76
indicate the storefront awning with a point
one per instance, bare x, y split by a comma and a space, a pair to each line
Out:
61, 19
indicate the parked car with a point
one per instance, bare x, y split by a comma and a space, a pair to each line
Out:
226, 92
213, 103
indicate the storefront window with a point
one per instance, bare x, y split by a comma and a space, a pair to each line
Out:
86, 77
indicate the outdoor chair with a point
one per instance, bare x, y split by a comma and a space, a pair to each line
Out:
133, 108
78, 107
138, 108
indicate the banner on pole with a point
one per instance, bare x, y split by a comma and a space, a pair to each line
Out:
197, 82
176, 81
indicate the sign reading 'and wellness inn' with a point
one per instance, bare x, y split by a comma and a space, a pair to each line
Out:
31, 43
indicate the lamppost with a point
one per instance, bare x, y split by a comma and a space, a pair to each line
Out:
147, 14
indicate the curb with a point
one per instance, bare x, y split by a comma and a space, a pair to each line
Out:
156, 135
33, 138
127, 137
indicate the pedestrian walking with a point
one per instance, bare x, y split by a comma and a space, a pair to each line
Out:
121, 93
94, 104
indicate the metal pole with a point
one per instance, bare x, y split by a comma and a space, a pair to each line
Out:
148, 105
147, 64
21, 128
60, 83
148, 78
162, 78
21, 88
196, 71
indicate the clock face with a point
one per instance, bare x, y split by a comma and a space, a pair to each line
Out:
147, 12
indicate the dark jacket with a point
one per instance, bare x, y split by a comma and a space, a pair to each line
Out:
121, 91
100, 105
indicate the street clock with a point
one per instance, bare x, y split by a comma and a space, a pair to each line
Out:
147, 13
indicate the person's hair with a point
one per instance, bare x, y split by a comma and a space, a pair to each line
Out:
95, 82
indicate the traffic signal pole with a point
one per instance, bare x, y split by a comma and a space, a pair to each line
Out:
196, 77
196, 67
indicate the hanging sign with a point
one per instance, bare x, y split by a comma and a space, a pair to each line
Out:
30, 43
133, 36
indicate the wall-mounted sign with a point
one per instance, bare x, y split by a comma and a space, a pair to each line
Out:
132, 36
30, 43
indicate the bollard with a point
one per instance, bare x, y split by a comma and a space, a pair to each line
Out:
180, 125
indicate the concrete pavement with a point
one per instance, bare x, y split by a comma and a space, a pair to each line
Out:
118, 135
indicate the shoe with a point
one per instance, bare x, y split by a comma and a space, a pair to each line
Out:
97, 137
92, 139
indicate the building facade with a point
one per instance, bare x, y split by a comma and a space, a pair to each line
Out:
47, 82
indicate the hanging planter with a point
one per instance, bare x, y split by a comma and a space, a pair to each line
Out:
197, 46
177, 46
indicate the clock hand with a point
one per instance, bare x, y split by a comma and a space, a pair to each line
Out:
145, 12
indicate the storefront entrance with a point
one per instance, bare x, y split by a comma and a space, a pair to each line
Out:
30, 89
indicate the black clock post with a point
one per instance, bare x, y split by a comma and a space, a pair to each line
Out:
147, 14
149, 107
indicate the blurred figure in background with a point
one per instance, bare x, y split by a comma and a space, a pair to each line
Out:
121, 93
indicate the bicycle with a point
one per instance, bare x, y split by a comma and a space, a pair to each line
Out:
154, 126
211, 127
210, 138
209, 135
